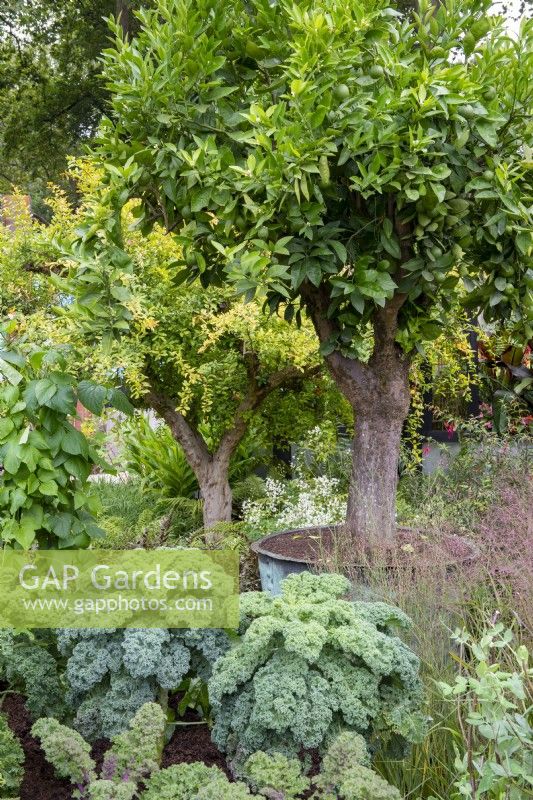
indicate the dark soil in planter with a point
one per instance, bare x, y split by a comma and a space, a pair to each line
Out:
39, 781
188, 743
193, 743
323, 545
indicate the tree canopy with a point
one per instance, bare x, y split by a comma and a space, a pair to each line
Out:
370, 164
51, 93
212, 366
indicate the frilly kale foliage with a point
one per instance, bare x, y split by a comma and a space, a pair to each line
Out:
194, 782
11, 760
113, 673
134, 756
310, 663
29, 664
346, 773
276, 775
66, 750
131, 768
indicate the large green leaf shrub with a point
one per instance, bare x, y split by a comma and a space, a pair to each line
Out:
46, 461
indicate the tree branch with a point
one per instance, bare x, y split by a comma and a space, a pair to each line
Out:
349, 373
193, 444
286, 377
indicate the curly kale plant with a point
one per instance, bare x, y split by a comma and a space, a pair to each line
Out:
194, 782
131, 766
133, 757
346, 773
276, 775
11, 760
29, 664
112, 673
309, 663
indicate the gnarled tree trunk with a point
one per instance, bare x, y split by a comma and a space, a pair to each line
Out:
378, 392
212, 469
379, 418
215, 491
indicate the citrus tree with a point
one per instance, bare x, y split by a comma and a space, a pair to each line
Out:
212, 366
215, 369
366, 163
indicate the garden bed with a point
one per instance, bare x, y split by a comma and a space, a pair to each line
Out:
189, 743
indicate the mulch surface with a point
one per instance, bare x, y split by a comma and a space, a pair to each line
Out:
192, 743
189, 743
316, 545
39, 781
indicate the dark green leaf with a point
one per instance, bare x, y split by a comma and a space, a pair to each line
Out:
118, 400
92, 396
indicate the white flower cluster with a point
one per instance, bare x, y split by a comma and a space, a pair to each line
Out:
295, 504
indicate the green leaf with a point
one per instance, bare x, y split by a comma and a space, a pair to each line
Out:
36, 359
45, 389
120, 293
339, 249
314, 273
6, 426
488, 131
10, 373
63, 401
61, 524
439, 190
118, 400
33, 517
94, 530
74, 442
25, 435
326, 348
200, 199
524, 242
12, 458
17, 500
48, 488
78, 468
30, 456
391, 245
12, 357
80, 499
92, 396
32, 484
24, 534
357, 302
